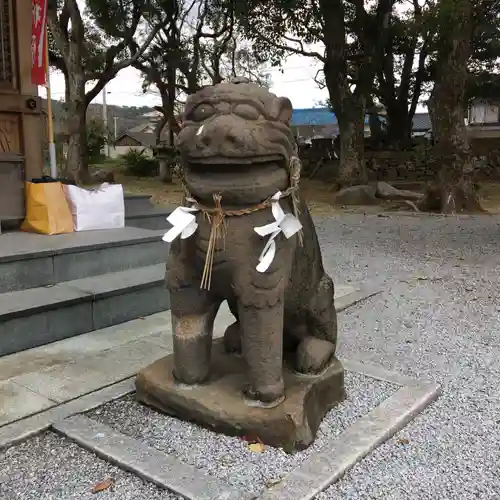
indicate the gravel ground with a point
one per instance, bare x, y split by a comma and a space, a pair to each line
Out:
440, 320
48, 467
230, 458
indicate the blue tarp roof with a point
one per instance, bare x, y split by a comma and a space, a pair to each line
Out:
323, 116
314, 116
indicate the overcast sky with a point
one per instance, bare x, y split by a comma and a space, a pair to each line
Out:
295, 81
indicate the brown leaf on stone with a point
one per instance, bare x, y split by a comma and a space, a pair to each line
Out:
103, 485
403, 441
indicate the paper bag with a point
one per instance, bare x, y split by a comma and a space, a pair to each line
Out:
47, 211
101, 208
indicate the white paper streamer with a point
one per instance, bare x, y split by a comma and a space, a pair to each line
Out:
184, 224
287, 224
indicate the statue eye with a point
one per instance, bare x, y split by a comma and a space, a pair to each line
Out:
247, 112
202, 112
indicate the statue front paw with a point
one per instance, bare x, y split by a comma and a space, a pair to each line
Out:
267, 396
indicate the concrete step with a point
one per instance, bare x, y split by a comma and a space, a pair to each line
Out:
32, 260
153, 219
137, 203
42, 315
9, 222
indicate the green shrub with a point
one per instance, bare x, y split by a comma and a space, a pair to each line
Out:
140, 165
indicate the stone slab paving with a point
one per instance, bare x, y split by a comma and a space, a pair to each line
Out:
65, 370
17, 401
89, 373
88, 344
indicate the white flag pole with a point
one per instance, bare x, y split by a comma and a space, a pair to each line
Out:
50, 123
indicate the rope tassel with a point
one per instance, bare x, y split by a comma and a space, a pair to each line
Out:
217, 232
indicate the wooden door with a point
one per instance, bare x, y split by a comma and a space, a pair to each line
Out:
21, 140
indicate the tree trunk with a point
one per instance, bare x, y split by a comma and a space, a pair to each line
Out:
77, 167
165, 170
376, 131
352, 168
164, 173
399, 125
453, 191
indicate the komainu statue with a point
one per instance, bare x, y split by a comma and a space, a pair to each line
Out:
244, 235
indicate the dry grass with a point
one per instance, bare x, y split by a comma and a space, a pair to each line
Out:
490, 196
162, 194
317, 194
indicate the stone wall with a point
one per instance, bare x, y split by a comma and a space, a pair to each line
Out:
408, 166
416, 165
397, 166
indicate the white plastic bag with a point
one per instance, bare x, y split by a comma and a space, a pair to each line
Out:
101, 208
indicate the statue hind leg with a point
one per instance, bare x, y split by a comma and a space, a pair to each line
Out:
318, 339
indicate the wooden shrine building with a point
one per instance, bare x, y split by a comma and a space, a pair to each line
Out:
21, 123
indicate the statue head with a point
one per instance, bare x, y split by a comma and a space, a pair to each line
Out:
236, 141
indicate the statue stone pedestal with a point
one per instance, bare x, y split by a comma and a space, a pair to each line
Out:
220, 405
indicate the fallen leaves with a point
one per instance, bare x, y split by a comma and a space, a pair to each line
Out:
403, 441
432, 279
272, 482
103, 485
254, 444
256, 447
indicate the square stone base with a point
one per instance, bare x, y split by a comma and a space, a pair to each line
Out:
220, 405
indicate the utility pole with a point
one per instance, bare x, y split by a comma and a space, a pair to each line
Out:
115, 119
105, 121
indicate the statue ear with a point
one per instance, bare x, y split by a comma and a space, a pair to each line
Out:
285, 110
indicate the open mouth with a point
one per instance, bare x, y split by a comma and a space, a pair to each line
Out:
217, 162
237, 182
228, 173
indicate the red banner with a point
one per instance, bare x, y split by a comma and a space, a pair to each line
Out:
38, 41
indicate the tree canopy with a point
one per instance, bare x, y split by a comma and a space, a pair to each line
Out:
388, 55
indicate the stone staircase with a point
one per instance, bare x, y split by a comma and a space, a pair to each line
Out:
55, 287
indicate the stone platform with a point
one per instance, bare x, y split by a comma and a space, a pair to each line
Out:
221, 406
